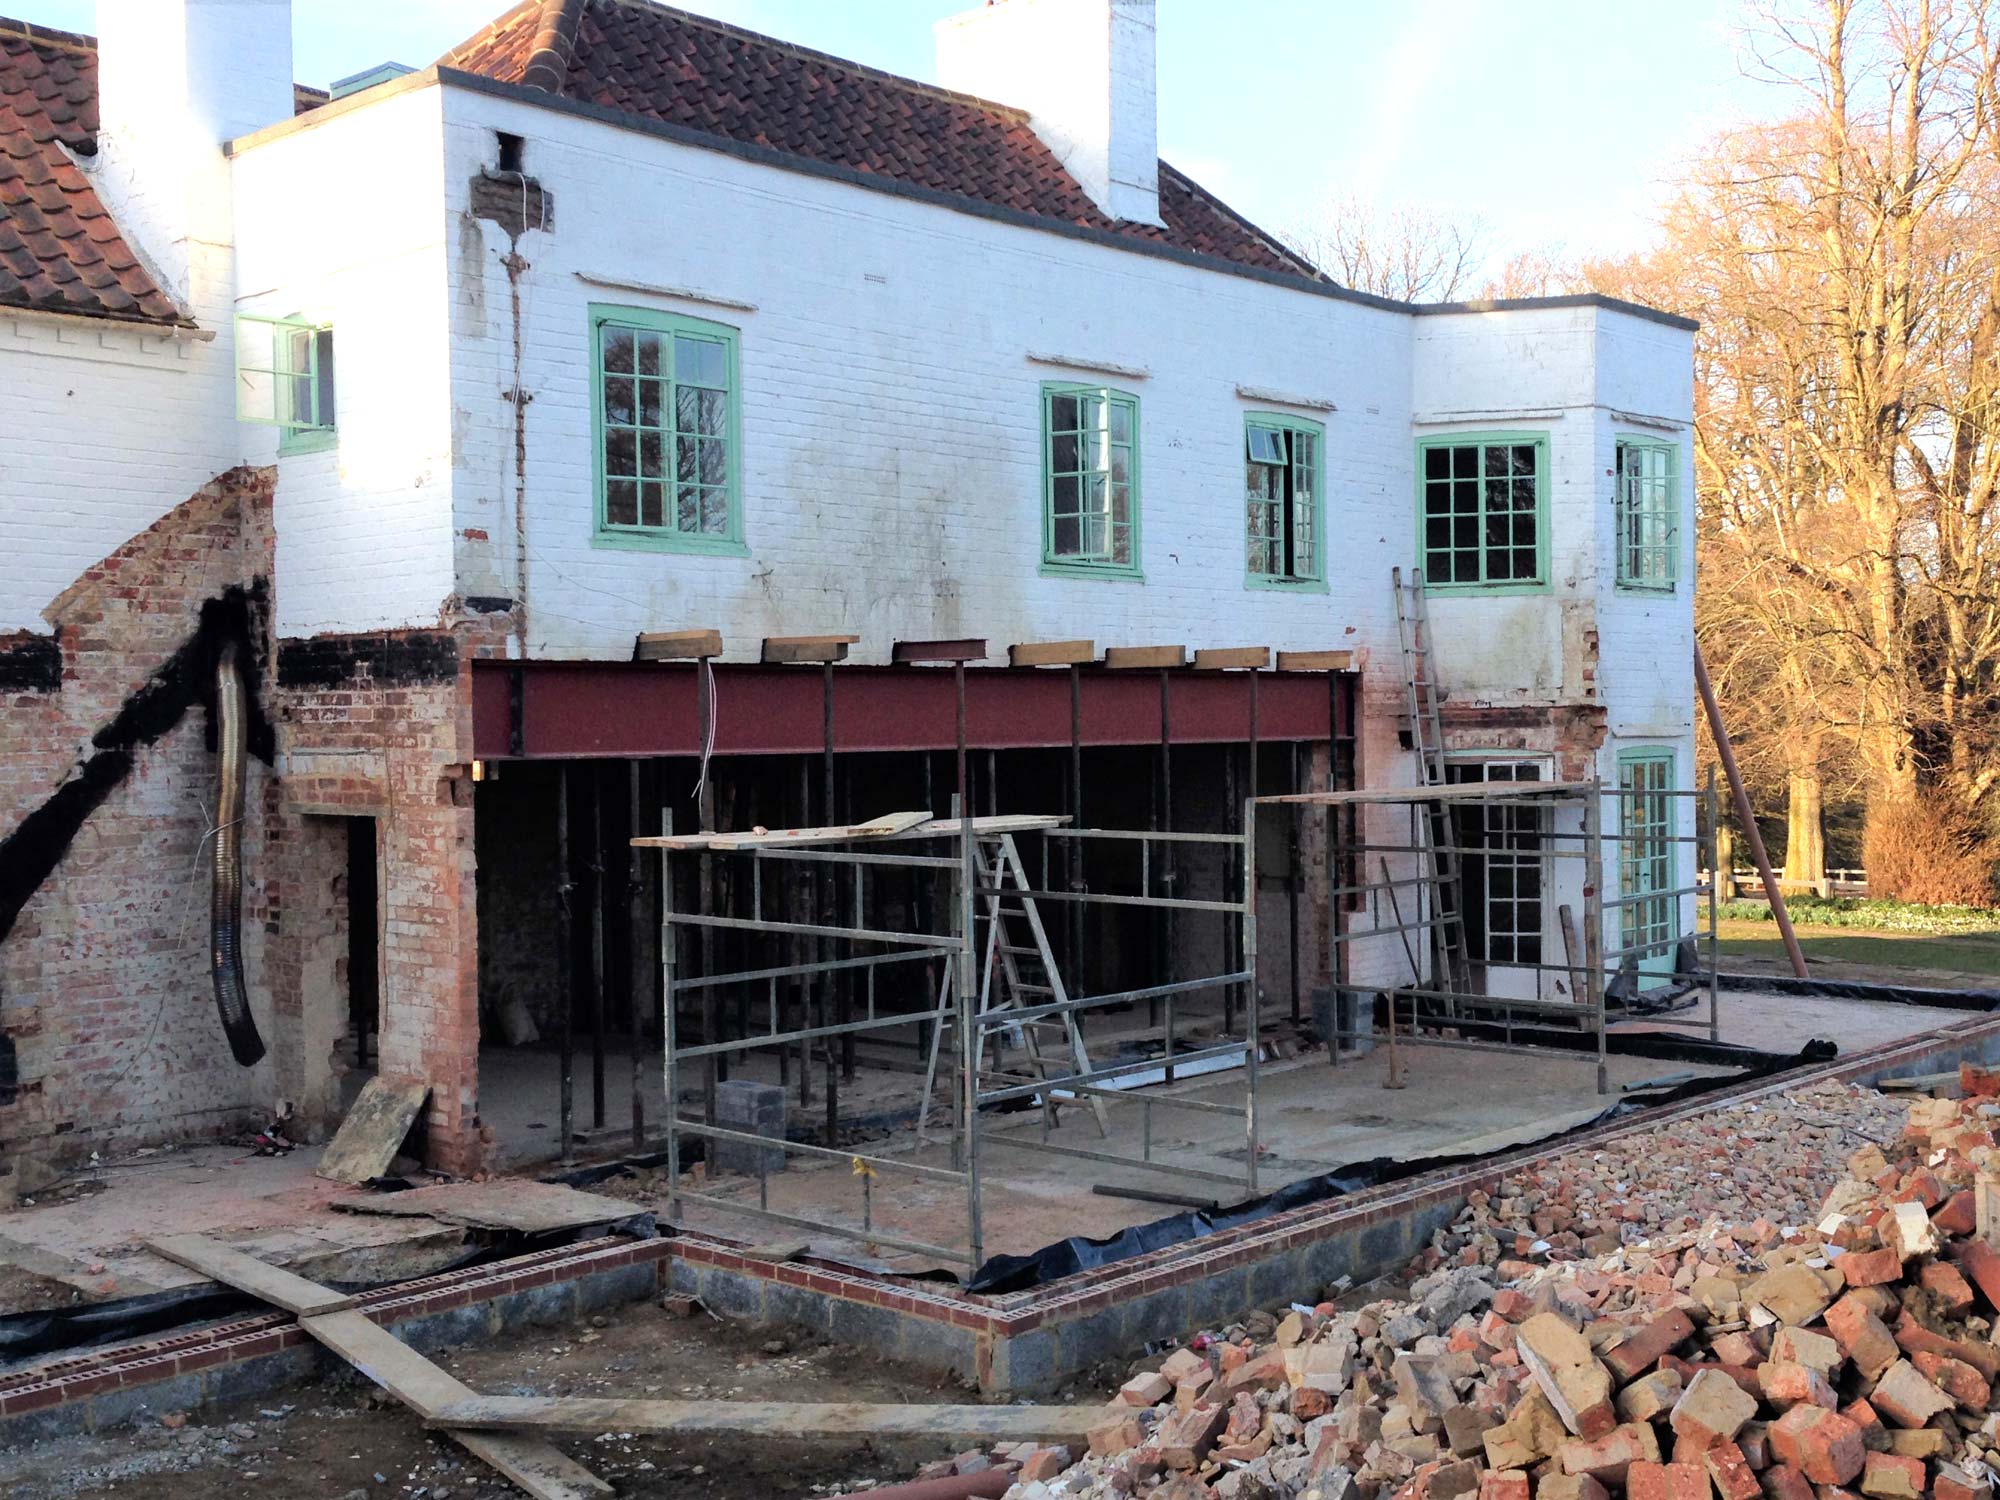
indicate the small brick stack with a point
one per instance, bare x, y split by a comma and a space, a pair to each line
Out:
1846, 1360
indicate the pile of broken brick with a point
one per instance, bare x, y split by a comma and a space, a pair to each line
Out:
1771, 1159
1852, 1358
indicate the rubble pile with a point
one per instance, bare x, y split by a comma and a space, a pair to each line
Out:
1849, 1357
1769, 1159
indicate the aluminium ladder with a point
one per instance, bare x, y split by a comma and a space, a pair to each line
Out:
1017, 972
1413, 630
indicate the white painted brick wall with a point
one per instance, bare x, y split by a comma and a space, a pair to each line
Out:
108, 428
892, 431
343, 223
176, 80
891, 412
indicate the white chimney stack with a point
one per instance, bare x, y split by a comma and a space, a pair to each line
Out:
1085, 72
176, 80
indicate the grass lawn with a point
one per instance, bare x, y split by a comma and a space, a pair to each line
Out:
1967, 953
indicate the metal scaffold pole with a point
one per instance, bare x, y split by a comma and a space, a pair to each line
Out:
968, 1017
1593, 920
668, 1038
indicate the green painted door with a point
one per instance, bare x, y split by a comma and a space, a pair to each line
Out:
1646, 863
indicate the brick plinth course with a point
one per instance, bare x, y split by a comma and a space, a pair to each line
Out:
99, 1389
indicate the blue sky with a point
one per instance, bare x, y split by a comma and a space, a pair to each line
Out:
1555, 121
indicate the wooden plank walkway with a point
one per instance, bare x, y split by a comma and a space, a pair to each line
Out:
538, 1467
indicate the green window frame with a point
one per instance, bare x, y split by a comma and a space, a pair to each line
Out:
1483, 512
1090, 481
666, 432
1284, 460
1648, 912
1646, 513
284, 379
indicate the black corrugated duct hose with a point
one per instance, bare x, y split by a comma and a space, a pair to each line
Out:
225, 943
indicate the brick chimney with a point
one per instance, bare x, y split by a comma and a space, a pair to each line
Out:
176, 79
1085, 71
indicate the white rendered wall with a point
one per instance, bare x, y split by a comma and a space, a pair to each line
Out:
1586, 376
342, 222
176, 80
112, 425
892, 429
1528, 371
109, 426
891, 411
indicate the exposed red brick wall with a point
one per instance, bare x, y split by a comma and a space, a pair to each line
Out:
104, 982
387, 740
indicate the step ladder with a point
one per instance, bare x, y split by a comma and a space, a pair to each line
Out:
1017, 971
1413, 630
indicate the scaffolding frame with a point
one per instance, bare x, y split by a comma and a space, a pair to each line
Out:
1456, 1008
977, 1088
837, 850
1238, 910
833, 944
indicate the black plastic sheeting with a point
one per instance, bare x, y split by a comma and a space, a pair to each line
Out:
1018, 1273
27, 1335
1849, 989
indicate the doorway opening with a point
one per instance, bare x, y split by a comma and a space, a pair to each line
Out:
364, 945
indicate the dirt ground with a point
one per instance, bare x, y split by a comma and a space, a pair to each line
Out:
343, 1440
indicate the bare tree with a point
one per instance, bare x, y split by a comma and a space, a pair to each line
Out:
1874, 209
1538, 273
1845, 264
1411, 254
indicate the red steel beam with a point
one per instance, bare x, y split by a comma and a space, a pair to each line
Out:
619, 709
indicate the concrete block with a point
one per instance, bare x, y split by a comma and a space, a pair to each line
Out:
754, 1109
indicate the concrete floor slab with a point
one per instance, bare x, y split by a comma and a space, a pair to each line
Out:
1314, 1118
1785, 1023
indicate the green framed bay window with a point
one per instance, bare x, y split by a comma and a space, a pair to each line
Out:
666, 431
284, 379
1284, 523
1483, 511
1090, 481
1646, 507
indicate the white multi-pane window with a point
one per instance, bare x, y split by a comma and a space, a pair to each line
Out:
1505, 874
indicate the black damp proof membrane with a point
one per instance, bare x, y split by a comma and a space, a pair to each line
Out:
1019, 1273
1854, 989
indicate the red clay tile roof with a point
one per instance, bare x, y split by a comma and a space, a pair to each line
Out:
59, 250
685, 70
